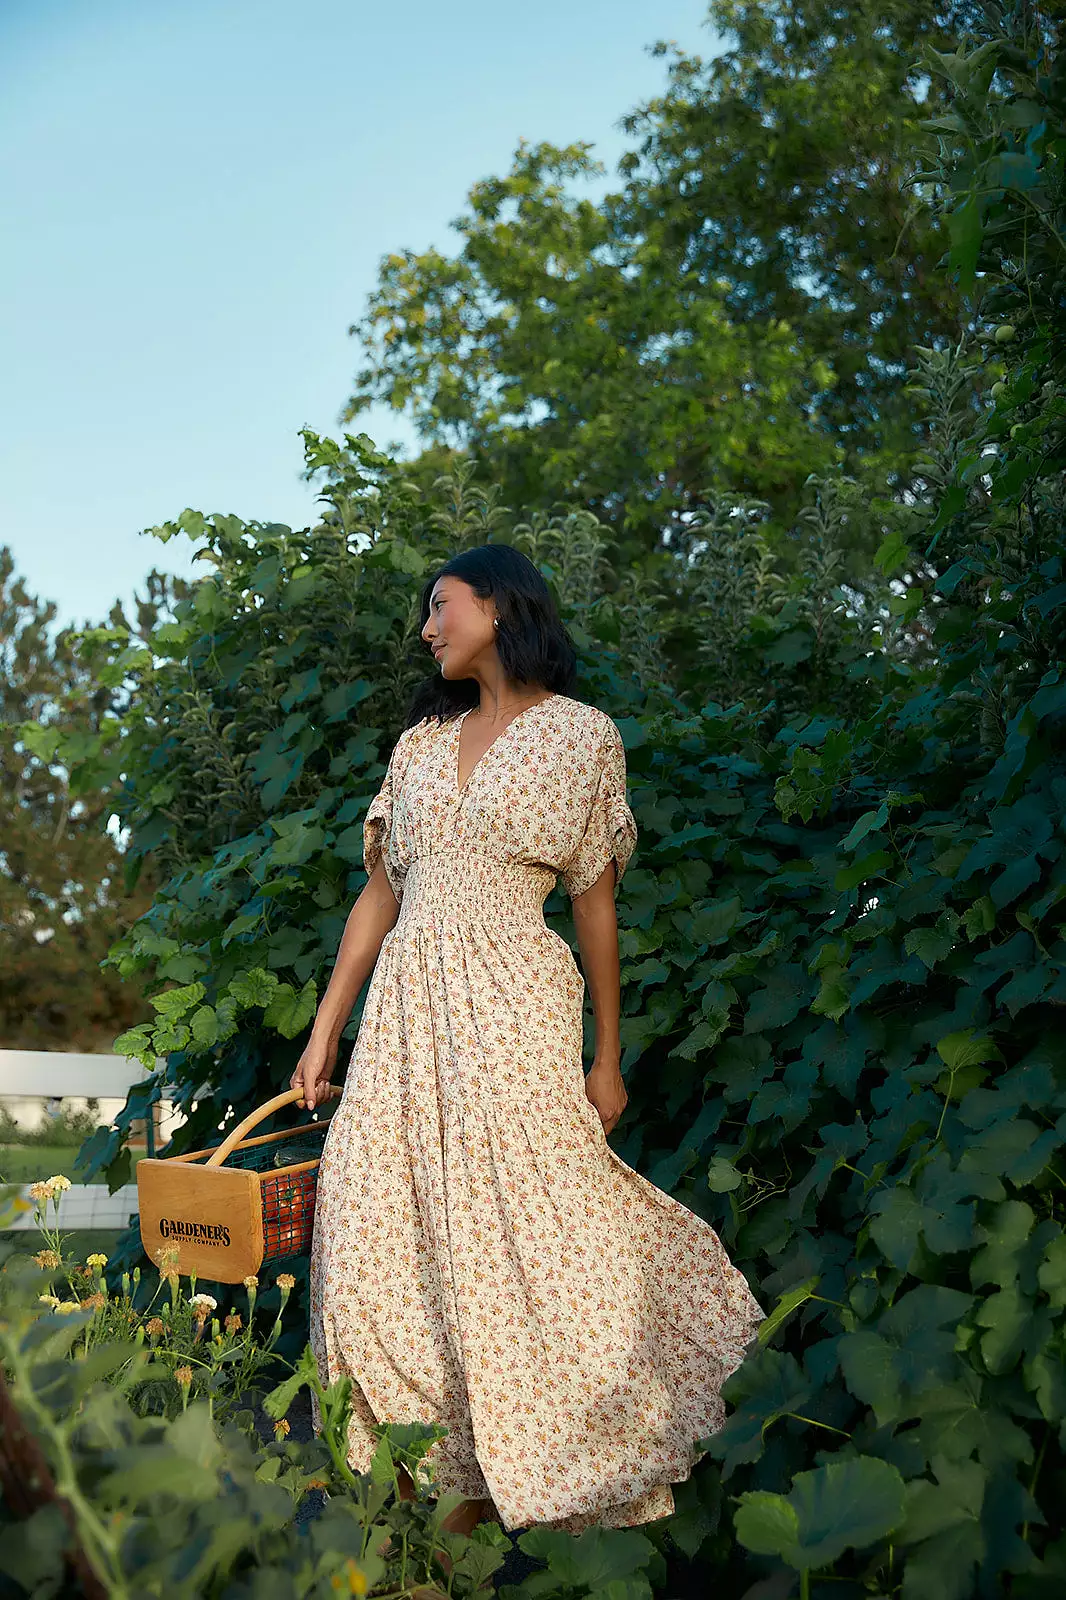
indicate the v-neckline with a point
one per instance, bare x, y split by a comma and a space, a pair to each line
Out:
459, 789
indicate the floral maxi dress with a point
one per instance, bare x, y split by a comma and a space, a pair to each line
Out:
482, 1258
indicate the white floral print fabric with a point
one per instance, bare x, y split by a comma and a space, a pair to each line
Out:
482, 1258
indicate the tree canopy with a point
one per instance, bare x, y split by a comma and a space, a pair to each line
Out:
737, 312
62, 898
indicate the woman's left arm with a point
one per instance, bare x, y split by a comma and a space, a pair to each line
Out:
596, 927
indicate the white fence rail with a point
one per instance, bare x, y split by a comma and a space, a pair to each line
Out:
29, 1079
83, 1206
33, 1081
62, 1074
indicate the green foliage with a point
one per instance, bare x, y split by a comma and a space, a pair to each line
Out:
194, 1354
262, 712
892, 1175
110, 1497
843, 1504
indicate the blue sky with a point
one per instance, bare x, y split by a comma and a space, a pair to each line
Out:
196, 197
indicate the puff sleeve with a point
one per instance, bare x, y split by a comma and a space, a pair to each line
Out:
610, 831
378, 822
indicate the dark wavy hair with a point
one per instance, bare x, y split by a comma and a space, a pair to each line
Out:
531, 641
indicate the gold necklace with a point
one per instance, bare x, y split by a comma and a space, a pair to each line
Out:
517, 713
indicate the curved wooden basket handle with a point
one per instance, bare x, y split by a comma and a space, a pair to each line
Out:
255, 1117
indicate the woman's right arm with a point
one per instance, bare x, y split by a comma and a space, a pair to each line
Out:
371, 917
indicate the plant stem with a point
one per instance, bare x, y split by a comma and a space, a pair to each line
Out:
814, 1423
1036, 1474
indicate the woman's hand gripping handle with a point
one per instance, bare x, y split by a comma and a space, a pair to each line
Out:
369, 920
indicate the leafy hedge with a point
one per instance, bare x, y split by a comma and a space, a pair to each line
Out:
263, 713
843, 951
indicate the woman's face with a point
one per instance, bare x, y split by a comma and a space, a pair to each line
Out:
459, 628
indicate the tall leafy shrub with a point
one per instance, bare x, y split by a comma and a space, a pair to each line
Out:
262, 711
863, 1069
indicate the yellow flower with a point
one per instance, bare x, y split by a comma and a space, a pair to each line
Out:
94, 1302
155, 1327
183, 1375
96, 1261
233, 1322
48, 1188
201, 1305
349, 1580
281, 1428
286, 1281
46, 1258
167, 1257
251, 1281
51, 1300
65, 1307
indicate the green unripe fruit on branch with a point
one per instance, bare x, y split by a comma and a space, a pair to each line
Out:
998, 389
1005, 333
1017, 428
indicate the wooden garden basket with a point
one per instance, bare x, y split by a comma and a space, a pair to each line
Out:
251, 1201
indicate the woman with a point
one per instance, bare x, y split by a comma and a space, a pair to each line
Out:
482, 1258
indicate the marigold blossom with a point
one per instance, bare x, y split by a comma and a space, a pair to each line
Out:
167, 1257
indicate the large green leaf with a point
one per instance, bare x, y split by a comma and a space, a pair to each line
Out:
254, 988
290, 1010
844, 1505
593, 1559
908, 1353
344, 698
174, 1003
787, 989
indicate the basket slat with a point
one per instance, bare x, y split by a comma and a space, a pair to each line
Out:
211, 1216
226, 1221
